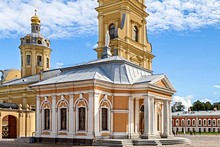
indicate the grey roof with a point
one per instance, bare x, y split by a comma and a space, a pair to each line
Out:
9, 105
196, 113
33, 79
115, 70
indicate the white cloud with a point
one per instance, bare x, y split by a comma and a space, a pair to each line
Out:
58, 65
186, 101
70, 18
182, 14
216, 86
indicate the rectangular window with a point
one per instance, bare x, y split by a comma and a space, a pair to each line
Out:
28, 59
82, 117
47, 119
104, 119
63, 119
39, 61
48, 63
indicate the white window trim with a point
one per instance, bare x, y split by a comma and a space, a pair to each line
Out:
77, 119
214, 122
200, 120
177, 122
210, 122
204, 122
188, 122
193, 122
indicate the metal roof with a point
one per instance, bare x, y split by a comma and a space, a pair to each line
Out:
196, 113
33, 79
115, 70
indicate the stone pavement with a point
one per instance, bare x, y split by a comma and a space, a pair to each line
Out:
196, 141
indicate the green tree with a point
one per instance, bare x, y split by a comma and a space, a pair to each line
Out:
216, 105
178, 106
198, 106
208, 106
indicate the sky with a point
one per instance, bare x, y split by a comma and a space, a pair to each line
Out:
184, 34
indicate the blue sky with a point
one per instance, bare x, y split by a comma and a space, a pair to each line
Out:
184, 34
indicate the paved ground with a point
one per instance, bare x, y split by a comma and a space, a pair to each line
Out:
196, 141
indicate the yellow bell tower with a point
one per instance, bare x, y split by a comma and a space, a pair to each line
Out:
126, 22
35, 50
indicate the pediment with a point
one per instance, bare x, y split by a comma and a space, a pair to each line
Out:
163, 82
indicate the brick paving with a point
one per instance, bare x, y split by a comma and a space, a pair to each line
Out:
196, 141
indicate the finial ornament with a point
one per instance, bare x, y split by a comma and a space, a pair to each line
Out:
107, 38
35, 11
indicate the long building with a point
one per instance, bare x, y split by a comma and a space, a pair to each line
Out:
196, 121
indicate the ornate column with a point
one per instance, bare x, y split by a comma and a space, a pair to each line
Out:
170, 119
137, 116
54, 117
147, 118
152, 107
38, 117
165, 119
71, 118
90, 115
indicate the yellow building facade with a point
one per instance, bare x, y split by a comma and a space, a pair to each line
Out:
17, 100
116, 96
126, 22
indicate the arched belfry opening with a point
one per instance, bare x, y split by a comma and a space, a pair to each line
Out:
9, 127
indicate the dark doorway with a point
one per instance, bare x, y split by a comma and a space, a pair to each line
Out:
9, 127
141, 115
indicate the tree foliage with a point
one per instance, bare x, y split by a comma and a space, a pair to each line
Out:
178, 106
202, 106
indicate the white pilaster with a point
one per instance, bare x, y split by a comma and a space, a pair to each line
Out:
90, 115
38, 117
131, 117
137, 116
71, 118
96, 114
54, 117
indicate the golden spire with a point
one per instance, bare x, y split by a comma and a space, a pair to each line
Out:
35, 19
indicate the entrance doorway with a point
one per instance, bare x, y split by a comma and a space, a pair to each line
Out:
9, 127
141, 120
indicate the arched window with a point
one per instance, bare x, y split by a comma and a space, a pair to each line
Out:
48, 63
182, 122
218, 122
214, 122
46, 119
112, 31
28, 59
104, 119
82, 119
209, 122
177, 122
189, 122
136, 33
200, 122
193, 122
204, 122
63, 119
39, 61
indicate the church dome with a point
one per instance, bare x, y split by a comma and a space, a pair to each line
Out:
35, 19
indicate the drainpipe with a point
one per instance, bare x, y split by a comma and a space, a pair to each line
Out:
1, 79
